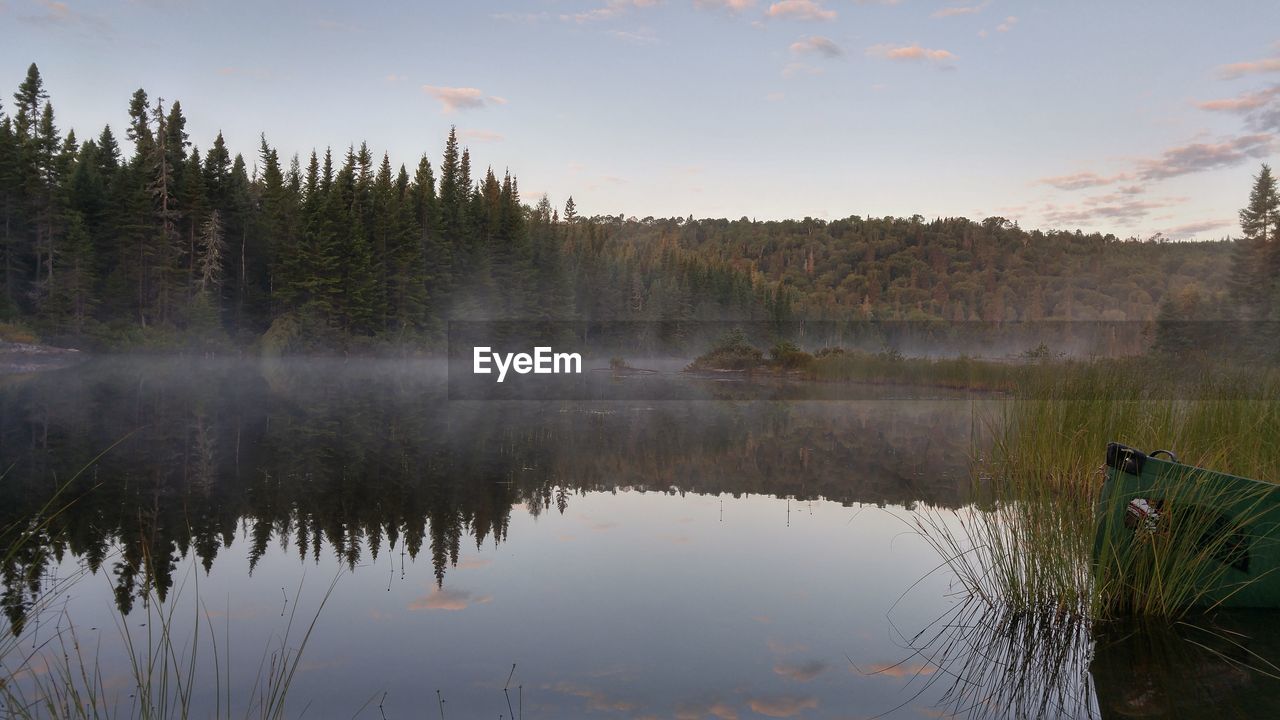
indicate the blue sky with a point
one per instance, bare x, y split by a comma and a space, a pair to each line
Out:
1124, 117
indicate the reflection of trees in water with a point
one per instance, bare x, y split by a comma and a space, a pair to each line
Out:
366, 457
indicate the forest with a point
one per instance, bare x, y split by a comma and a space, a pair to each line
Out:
148, 242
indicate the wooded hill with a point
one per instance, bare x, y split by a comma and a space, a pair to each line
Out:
147, 241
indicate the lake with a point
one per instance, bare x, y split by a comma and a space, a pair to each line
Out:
725, 550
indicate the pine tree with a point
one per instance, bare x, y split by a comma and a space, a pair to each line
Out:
139, 132
1256, 255
10, 199
161, 258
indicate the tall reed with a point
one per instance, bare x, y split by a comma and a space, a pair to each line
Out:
1032, 547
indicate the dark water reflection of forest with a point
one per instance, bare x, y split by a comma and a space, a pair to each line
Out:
721, 556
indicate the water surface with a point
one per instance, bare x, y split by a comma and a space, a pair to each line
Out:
727, 555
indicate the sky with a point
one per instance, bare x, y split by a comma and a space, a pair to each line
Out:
1124, 117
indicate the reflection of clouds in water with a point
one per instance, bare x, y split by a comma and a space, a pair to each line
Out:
782, 706
473, 562
699, 711
448, 599
596, 699
800, 672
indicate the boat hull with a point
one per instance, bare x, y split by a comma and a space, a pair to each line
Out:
1151, 508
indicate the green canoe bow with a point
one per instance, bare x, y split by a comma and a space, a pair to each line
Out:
1185, 536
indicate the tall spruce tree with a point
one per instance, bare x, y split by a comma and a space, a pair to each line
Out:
1256, 256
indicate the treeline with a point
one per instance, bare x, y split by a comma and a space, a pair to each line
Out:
168, 245
948, 269
150, 241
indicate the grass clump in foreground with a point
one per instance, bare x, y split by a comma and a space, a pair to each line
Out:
55, 675
169, 665
1030, 547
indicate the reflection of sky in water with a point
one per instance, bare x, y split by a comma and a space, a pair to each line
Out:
629, 605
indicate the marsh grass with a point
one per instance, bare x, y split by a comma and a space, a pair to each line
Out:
167, 667
1030, 548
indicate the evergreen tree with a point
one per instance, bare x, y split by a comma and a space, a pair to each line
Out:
1256, 263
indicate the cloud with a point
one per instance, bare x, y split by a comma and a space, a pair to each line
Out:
800, 672
1114, 207
1195, 228
610, 9
1242, 103
800, 10
1250, 67
782, 706
1007, 25
775, 97
441, 599
960, 10
1082, 180
734, 6
818, 45
911, 53
56, 14
1198, 157
461, 98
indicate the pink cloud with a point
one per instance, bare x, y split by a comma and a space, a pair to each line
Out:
960, 10
1198, 157
1250, 67
730, 5
1082, 180
461, 98
911, 53
800, 10
1241, 103
611, 9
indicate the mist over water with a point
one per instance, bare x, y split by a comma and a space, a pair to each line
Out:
736, 549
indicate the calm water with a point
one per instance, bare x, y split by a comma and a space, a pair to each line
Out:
745, 552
